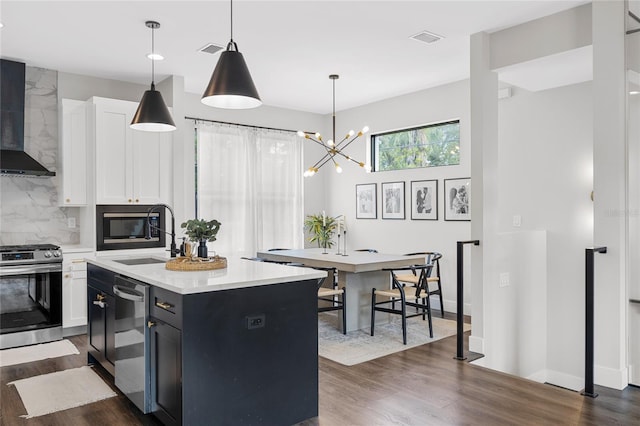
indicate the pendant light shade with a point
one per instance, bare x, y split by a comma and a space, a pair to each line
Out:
231, 85
152, 114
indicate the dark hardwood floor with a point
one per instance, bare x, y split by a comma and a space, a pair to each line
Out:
419, 386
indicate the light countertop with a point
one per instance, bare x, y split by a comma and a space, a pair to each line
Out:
239, 273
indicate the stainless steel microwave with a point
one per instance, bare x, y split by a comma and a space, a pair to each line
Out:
121, 227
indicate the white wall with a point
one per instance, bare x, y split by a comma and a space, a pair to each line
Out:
403, 236
545, 177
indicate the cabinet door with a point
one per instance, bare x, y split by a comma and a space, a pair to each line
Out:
73, 154
113, 152
151, 167
74, 293
166, 372
97, 318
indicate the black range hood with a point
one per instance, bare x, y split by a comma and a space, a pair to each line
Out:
13, 160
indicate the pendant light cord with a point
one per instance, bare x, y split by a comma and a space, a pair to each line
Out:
231, 20
153, 61
334, 110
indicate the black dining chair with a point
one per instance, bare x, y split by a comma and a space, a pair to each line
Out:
405, 296
434, 279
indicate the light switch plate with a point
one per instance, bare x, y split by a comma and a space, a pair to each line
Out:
71, 222
517, 220
504, 279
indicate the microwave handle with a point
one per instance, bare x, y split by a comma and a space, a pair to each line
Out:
29, 269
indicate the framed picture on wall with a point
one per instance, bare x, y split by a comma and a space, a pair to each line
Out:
424, 200
393, 200
366, 202
457, 199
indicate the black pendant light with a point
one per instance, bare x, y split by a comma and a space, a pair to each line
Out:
231, 85
152, 114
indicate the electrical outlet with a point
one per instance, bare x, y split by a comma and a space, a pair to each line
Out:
71, 222
504, 279
517, 220
256, 321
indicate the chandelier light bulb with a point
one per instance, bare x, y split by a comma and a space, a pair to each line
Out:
365, 129
155, 56
338, 168
351, 133
301, 133
367, 168
330, 142
318, 136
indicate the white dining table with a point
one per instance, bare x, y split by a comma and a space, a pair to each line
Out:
358, 272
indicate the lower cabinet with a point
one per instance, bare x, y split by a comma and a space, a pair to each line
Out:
74, 290
166, 371
102, 318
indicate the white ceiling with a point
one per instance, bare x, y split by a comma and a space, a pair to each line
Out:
291, 47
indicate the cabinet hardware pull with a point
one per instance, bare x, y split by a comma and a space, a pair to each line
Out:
129, 200
68, 200
150, 324
99, 303
67, 275
78, 261
137, 201
164, 305
100, 297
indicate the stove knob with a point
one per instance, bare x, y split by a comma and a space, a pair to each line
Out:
47, 254
56, 253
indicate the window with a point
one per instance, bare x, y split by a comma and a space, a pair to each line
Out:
427, 146
250, 179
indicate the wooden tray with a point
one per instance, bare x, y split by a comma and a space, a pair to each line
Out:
196, 263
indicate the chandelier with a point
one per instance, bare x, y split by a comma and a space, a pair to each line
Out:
331, 147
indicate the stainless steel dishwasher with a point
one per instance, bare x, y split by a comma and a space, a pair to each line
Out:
132, 372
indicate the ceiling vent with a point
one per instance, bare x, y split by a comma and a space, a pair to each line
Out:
210, 48
426, 37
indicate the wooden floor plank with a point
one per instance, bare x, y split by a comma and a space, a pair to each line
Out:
419, 386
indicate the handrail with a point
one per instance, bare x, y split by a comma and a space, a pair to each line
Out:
589, 321
460, 297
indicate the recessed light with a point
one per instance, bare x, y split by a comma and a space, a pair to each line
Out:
155, 56
1, 25
634, 92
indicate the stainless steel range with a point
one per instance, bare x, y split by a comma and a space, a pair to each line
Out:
30, 294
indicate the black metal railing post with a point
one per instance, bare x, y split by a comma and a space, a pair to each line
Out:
460, 297
589, 321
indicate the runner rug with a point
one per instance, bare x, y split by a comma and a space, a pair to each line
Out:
37, 352
359, 346
61, 390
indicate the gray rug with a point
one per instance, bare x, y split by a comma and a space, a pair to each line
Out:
358, 346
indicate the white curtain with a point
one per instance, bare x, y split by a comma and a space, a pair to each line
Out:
250, 179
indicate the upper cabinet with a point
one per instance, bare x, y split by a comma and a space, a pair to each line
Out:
132, 166
73, 157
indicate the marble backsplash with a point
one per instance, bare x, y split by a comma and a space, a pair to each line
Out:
29, 211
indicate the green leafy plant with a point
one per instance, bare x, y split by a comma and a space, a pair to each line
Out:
321, 229
200, 229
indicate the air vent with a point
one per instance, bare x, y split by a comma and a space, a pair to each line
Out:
426, 37
210, 48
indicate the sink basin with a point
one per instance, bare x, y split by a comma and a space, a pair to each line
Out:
140, 261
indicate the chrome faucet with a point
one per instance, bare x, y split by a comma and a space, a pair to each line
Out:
147, 235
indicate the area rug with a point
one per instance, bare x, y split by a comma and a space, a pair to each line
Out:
37, 352
359, 346
61, 390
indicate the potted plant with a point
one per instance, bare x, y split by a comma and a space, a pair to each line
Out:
321, 228
201, 231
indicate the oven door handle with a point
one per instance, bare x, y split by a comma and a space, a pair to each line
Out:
128, 293
8, 271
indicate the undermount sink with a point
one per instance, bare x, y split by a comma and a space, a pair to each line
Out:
140, 261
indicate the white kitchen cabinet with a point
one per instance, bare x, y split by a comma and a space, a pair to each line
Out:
74, 289
72, 167
132, 167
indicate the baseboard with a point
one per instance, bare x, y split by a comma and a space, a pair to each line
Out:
476, 344
564, 380
611, 378
74, 331
452, 306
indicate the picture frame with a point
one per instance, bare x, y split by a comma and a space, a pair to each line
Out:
366, 201
457, 199
424, 199
393, 200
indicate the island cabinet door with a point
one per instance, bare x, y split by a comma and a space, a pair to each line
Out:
166, 371
96, 319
